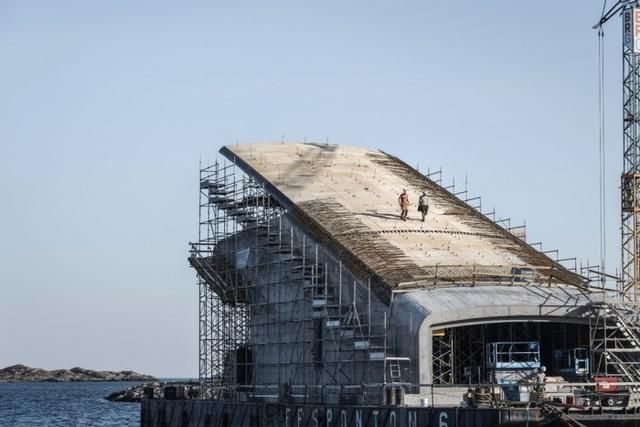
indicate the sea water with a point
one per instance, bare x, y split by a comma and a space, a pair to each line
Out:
65, 404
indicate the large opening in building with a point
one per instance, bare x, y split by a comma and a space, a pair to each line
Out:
473, 353
244, 365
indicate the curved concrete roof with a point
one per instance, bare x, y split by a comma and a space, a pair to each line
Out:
348, 198
453, 306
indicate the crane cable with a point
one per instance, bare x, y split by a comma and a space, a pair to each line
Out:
601, 147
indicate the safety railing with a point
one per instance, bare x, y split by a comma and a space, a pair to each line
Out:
426, 395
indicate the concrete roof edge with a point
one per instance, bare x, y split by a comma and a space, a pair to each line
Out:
245, 167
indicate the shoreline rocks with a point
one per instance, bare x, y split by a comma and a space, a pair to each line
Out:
22, 373
187, 390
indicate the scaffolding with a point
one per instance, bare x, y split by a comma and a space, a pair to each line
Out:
611, 333
460, 354
615, 340
224, 205
282, 319
280, 316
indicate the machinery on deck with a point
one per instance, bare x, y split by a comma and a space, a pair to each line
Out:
513, 362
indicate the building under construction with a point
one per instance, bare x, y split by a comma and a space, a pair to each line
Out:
315, 297
313, 290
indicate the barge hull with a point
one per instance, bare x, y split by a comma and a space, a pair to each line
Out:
204, 413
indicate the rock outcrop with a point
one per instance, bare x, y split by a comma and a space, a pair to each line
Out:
22, 373
135, 394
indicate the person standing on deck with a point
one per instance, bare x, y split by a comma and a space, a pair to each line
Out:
541, 378
423, 205
403, 200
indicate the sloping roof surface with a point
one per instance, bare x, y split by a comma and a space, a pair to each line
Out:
348, 197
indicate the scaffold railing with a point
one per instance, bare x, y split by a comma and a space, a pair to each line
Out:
274, 305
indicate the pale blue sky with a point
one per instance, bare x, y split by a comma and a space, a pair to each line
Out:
107, 106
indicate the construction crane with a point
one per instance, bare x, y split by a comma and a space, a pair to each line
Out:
630, 179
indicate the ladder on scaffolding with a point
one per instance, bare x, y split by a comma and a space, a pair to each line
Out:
395, 370
615, 339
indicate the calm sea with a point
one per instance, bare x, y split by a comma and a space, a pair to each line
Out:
65, 404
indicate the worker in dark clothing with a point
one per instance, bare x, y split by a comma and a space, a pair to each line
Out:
423, 205
541, 378
403, 200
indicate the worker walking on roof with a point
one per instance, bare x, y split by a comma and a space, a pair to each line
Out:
423, 205
403, 200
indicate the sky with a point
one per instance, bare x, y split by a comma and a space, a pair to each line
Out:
107, 107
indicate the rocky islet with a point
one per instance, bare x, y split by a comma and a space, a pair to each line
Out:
22, 373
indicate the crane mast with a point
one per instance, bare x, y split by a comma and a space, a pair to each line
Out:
630, 178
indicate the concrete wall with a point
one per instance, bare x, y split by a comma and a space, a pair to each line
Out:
282, 320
